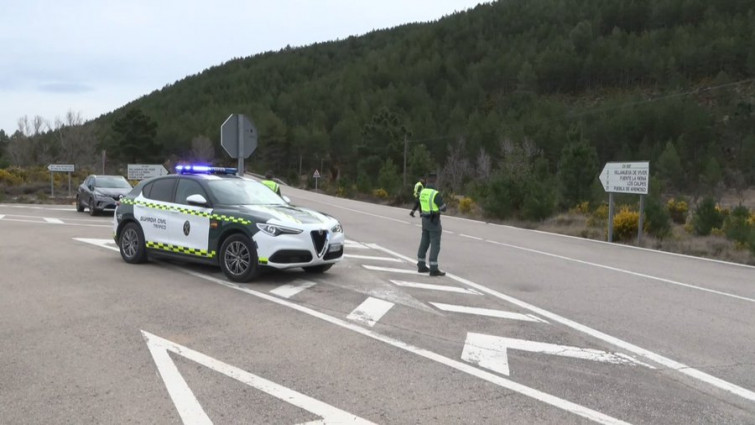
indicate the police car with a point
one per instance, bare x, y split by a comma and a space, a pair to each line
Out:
210, 215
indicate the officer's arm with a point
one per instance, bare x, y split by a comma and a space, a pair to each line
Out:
439, 202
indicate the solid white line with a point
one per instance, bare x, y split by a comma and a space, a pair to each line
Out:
104, 243
351, 244
485, 312
191, 411
369, 257
186, 403
435, 287
370, 311
671, 364
53, 220
289, 290
1, 216
470, 237
388, 269
67, 224
455, 364
616, 269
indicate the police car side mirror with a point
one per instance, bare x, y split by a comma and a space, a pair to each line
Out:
286, 198
197, 200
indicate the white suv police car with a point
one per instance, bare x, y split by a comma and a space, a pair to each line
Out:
210, 215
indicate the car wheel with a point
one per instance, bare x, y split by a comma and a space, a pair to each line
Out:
79, 207
322, 268
92, 209
131, 244
238, 258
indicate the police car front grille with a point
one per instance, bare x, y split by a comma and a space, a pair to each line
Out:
333, 254
289, 256
319, 237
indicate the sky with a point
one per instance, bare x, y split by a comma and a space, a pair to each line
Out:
90, 57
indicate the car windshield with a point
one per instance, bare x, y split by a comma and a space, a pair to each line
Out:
112, 182
243, 192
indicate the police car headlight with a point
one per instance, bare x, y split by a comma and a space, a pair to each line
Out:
337, 228
275, 230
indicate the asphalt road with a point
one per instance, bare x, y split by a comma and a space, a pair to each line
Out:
527, 327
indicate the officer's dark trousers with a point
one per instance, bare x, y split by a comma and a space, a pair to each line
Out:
431, 231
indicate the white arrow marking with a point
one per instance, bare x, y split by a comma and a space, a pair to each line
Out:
370, 311
489, 351
104, 243
435, 287
369, 257
191, 411
352, 244
53, 220
2, 216
488, 312
289, 290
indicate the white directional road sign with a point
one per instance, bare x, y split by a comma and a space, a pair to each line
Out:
68, 168
626, 177
145, 171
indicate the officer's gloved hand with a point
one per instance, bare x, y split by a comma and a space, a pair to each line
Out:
411, 213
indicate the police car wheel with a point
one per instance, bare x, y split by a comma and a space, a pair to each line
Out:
322, 268
238, 258
79, 207
131, 244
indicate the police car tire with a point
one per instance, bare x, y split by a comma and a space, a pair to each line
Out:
322, 268
79, 207
131, 233
238, 258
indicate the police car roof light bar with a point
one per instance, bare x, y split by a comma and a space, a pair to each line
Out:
203, 169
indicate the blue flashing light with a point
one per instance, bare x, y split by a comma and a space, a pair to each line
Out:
204, 169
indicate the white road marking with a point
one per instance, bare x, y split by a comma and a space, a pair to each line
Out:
486, 312
289, 290
665, 361
53, 220
191, 411
470, 237
435, 287
2, 216
353, 245
388, 269
490, 352
105, 243
629, 272
369, 257
533, 393
370, 311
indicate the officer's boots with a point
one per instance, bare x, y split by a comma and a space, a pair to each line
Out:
422, 268
437, 272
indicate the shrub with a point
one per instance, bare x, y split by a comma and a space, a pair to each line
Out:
380, 193
657, 219
466, 205
539, 201
678, 210
625, 224
581, 208
9, 178
599, 216
736, 226
706, 217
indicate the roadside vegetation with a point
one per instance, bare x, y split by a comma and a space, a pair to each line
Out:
516, 105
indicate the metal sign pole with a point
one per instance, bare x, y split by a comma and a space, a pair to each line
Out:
69, 184
610, 216
52, 189
240, 125
639, 225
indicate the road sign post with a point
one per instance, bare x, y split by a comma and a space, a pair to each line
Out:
625, 177
316, 176
238, 136
64, 168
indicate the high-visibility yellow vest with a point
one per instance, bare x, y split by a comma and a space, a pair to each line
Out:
418, 188
271, 184
427, 201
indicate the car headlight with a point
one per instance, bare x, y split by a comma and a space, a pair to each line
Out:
337, 228
275, 229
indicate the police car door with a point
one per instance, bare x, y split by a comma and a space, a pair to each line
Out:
152, 211
191, 222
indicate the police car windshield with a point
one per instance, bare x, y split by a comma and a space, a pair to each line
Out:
243, 192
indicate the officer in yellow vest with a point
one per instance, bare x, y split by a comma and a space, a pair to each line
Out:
269, 182
431, 205
417, 189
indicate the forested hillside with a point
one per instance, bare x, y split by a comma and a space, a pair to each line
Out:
517, 104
